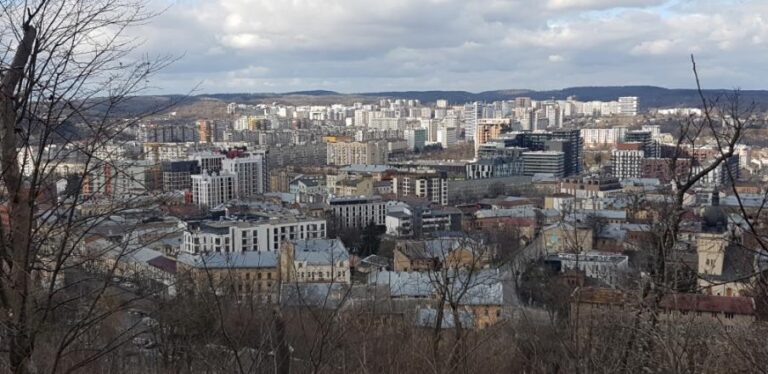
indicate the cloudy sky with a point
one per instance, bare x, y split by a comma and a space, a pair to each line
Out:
473, 45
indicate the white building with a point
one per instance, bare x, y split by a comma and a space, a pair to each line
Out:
252, 174
627, 163
472, 113
446, 136
430, 186
416, 139
212, 189
262, 233
603, 136
608, 267
628, 105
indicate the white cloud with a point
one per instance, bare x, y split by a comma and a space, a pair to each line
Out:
368, 45
556, 58
654, 47
599, 4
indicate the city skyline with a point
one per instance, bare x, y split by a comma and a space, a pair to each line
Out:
362, 46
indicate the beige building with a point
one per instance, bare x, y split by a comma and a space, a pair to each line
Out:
246, 275
485, 132
314, 261
428, 255
350, 153
564, 237
723, 270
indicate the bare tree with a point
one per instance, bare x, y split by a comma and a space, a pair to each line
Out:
66, 70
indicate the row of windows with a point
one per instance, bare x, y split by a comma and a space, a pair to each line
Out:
321, 275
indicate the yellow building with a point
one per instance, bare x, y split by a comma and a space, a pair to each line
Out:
248, 275
453, 253
564, 237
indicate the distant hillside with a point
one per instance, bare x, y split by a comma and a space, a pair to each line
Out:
649, 96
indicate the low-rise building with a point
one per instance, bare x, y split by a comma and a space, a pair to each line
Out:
590, 304
253, 275
432, 254
609, 268
261, 233
314, 261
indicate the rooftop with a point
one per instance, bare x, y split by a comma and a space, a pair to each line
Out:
216, 260
320, 251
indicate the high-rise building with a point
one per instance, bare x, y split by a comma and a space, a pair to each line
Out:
211, 189
472, 113
431, 125
252, 174
603, 136
485, 133
544, 162
523, 102
416, 138
210, 161
207, 131
650, 147
628, 105
567, 141
446, 136
365, 153
430, 186
177, 175
627, 163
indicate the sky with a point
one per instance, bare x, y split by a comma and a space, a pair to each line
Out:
473, 45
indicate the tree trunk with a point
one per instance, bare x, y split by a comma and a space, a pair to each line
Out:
20, 205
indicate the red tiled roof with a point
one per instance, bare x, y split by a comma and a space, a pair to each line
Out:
709, 303
679, 301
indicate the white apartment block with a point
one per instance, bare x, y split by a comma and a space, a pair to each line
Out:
446, 136
627, 163
628, 105
364, 153
603, 136
472, 113
264, 234
430, 186
252, 174
387, 123
213, 189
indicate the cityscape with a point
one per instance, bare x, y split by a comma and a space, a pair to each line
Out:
600, 228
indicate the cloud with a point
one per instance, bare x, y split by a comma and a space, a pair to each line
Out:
556, 58
599, 4
367, 45
654, 47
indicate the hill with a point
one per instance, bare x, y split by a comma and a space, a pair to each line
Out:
649, 97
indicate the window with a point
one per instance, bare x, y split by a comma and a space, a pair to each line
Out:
729, 315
